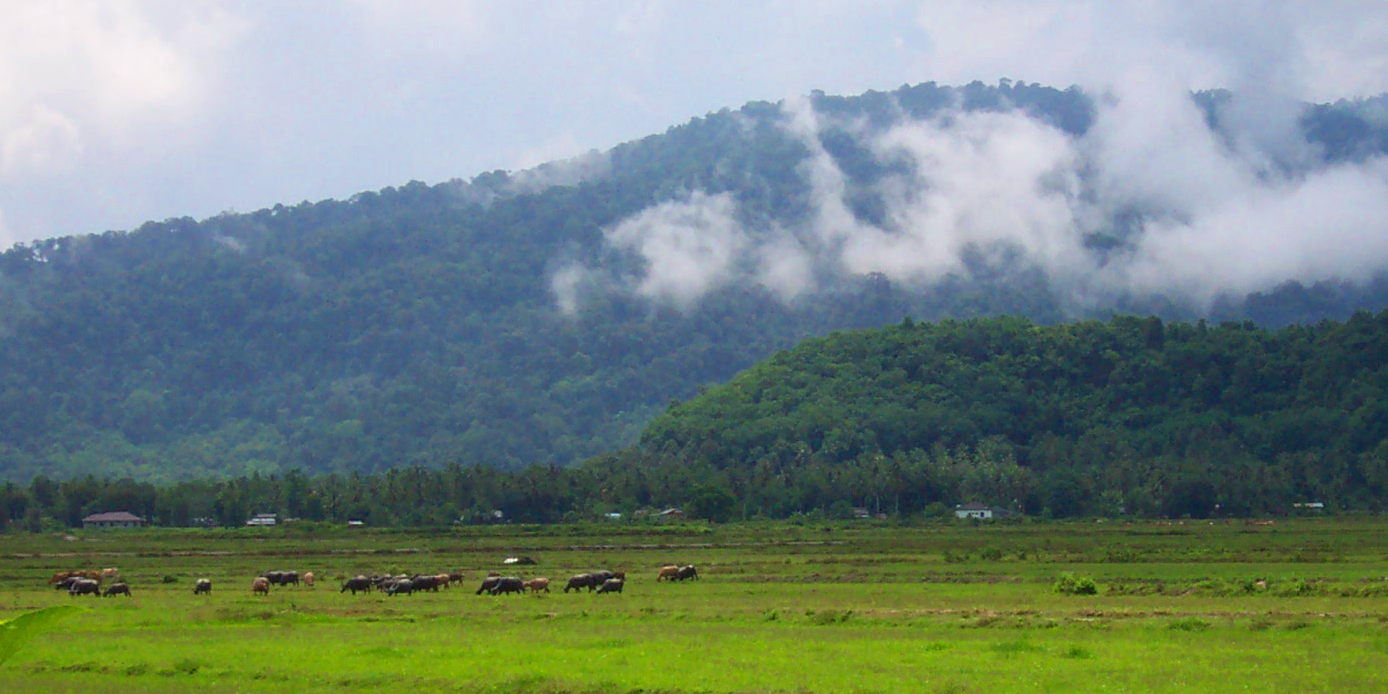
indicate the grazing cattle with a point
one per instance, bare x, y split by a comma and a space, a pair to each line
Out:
488, 584
117, 588
669, 572
356, 583
66, 583
422, 582
202, 586
260, 585
93, 574
403, 585
538, 584
108, 574
61, 576
509, 561
84, 586
443, 580
309, 578
508, 584
579, 582
611, 585
455, 576
687, 572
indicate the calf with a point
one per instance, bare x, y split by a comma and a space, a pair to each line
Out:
260, 585
611, 585
538, 584
117, 588
202, 586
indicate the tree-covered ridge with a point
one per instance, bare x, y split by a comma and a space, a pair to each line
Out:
1084, 417
419, 325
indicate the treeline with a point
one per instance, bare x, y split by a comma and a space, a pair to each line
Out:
1128, 416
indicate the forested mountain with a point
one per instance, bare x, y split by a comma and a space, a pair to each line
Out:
546, 316
1080, 418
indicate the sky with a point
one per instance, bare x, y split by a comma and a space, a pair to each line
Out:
114, 113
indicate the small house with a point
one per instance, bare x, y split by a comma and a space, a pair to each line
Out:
264, 519
671, 513
973, 510
113, 519
860, 512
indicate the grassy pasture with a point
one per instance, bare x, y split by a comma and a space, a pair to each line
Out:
855, 607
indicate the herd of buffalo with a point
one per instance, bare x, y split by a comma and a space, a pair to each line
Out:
88, 582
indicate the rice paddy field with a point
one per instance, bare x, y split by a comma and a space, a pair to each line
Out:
869, 606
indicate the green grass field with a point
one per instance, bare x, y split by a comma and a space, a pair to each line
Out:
855, 607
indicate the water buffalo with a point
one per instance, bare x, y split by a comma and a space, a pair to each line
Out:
84, 586
488, 584
260, 585
63, 575
422, 582
355, 584
444, 580
669, 572
611, 585
455, 576
687, 572
403, 585
508, 584
282, 578
203, 585
117, 588
66, 583
538, 584
579, 582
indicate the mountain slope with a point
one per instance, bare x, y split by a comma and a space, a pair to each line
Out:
546, 316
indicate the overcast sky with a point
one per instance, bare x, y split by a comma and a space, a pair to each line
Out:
114, 113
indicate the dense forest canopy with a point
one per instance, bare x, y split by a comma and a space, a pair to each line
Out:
544, 317
1132, 416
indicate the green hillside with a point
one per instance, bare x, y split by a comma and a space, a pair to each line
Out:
1092, 417
421, 325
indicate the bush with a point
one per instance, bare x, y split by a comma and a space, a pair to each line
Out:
1070, 584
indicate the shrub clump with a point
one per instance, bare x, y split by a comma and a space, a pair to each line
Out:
1071, 584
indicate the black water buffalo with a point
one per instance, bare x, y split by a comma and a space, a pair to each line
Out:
488, 584
403, 585
85, 586
202, 586
282, 578
355, 584
579, 582
611, 585
117, 588
687, 572
508, 584
422, 582
66, 583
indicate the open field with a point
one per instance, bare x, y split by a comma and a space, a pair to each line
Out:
854, 607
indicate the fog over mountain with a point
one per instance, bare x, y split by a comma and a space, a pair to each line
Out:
1154, 191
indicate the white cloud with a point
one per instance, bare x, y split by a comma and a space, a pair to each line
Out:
690, 247
47, 142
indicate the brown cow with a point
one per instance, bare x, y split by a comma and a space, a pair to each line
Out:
669, 572
308, 578
260, 585
443, 580
538, 584
63, 575
108, 574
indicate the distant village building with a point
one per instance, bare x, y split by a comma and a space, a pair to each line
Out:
671, 513
979, 511
264, 519
860, 512
113, 519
